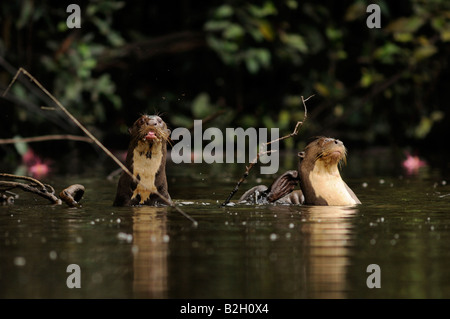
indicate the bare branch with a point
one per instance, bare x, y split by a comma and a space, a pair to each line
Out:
45, 138
263, 152
35, 187
92, 137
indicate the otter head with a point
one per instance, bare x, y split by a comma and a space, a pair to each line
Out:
324, 151
320, 180
149, 128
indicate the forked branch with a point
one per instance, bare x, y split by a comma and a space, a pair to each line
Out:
263, 151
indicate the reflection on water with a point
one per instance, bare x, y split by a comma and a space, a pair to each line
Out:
241, 251
327, 231
150, 249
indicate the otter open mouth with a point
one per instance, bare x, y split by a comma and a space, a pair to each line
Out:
151, 135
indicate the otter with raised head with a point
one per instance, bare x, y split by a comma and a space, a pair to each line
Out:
318, 175
146, 160
320, 180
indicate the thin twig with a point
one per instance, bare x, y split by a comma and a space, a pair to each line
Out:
263, 152
45, 138
92, 137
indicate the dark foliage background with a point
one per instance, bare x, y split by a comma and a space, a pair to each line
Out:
251, 60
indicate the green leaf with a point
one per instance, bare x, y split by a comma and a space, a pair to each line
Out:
405, 25
266, 30
252, 65
355, 11
295, 41
201, 106
215, 25
25, 14
260, 12
233, 31
387, 52
21, 147
423, 128
284, 119
423, 52
224, 11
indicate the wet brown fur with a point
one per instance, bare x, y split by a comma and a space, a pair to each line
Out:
150, 166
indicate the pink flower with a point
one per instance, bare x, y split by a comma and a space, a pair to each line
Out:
35, 165
39, 169
412, 164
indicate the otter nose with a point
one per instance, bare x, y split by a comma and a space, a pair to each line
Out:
152, 120
338, 142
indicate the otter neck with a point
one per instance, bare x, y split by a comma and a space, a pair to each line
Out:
324, 168
322, 185
147, 161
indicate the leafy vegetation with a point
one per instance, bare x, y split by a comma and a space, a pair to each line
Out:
250, 61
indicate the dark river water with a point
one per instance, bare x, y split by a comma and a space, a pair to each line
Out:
241, 251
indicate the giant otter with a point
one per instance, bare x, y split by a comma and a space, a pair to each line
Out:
146, 160
318, 175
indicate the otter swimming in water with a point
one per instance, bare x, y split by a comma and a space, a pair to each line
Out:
318, 176
146, 160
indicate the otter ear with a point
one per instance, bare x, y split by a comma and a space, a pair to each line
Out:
130, 129
301, 154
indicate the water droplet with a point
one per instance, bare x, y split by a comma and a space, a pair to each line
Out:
53, 255
273, 236
126, 237
19, 261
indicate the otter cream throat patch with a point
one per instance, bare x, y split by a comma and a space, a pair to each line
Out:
146, 161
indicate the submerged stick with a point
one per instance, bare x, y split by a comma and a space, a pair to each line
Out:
92, 137
263, 152
35, 187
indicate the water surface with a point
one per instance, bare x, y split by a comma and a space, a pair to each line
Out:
241, 251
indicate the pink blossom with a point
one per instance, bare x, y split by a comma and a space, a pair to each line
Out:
39, 169
412, 164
